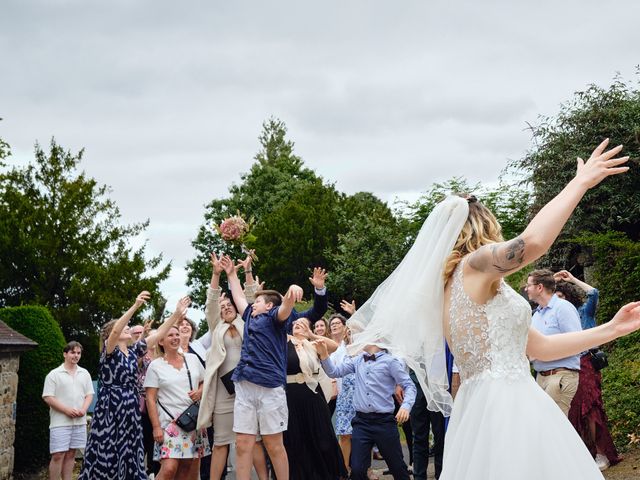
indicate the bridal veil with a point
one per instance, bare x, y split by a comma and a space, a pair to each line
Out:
404, 314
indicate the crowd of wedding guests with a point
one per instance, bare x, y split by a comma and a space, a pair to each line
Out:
282, 387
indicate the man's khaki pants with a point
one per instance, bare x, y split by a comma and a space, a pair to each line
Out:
560, 386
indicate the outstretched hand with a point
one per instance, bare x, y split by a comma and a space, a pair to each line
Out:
245, 264
142, 299
296, 293
563, 275
600, 165
227, 265
627, 320
318, 278
216, 264
181, 307
321, 348
350, 308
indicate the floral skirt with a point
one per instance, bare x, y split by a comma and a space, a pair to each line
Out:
180, 444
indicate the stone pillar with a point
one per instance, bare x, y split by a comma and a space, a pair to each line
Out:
9, 363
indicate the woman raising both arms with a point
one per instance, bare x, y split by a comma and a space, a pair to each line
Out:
502, 426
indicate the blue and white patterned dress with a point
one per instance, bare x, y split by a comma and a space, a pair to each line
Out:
345, 411
114, 447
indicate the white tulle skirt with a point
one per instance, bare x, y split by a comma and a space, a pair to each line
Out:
512, 430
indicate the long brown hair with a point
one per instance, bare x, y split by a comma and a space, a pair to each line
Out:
481, 228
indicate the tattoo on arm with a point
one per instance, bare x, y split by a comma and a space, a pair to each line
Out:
508, 256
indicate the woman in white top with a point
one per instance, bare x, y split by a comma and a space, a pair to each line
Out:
173, 383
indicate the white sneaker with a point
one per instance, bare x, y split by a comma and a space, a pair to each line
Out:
602, 462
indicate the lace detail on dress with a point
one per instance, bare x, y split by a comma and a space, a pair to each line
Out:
489, 340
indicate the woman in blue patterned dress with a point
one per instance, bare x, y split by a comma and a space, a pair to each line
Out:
114, 447
345, 411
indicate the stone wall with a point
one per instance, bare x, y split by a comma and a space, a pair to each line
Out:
9, 362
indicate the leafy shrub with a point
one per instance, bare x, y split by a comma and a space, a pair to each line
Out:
32, 417
616, 273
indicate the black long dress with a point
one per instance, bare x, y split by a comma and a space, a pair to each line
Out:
310, 441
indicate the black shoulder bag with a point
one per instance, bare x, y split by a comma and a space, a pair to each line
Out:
598, 359
187, 420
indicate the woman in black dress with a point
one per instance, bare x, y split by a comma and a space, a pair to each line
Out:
310, 441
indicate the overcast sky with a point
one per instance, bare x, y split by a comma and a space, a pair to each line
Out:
168, 98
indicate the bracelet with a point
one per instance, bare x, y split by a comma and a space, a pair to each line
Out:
248, 271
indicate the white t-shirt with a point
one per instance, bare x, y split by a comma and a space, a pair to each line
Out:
173, 385
70, 390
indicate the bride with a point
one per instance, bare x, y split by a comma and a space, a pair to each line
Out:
450, 284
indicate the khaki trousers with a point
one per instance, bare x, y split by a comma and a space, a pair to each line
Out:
561, 386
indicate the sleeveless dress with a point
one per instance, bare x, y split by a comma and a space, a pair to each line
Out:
503, 425
114, 447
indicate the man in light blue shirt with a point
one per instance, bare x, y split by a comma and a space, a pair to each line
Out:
559, 378
377, 374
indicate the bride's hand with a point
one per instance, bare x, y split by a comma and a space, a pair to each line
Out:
627, 319
600, 165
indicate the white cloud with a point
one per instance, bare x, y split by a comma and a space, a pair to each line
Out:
168, 98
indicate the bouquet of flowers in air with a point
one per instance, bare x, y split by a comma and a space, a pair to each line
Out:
236, 231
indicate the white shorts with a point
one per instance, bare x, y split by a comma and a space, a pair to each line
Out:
259, 410
62, 439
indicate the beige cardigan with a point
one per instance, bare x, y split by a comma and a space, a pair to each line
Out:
312, 372
217, 353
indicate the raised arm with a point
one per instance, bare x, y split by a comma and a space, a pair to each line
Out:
212, 305
293, 295
334, 371
234, 285
320, 302
568, 277
123, 321
501, 259
552, 347
251, 286
176, 316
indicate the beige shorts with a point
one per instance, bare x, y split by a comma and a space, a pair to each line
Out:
259, 409
561, 386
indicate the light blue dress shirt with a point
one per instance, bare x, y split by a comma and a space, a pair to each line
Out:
375, 381
559, 316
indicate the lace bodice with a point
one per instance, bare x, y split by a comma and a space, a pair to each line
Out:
489, 340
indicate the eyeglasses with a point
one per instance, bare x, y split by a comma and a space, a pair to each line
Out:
532, 284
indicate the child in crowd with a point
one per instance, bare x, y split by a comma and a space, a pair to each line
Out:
260, 376
377, 374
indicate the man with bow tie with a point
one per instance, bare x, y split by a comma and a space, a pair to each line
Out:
377, 374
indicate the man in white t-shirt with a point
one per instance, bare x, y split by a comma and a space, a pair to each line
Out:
68, 391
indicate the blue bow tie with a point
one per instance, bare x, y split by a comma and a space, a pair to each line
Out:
371, 357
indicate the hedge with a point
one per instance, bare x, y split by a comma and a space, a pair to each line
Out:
32, 416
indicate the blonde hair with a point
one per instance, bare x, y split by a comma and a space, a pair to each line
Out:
481, 228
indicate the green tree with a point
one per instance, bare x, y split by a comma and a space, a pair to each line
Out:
32, 415
293, 238
275, 176
63, 245
582, 123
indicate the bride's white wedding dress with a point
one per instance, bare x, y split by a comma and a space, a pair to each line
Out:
503, 425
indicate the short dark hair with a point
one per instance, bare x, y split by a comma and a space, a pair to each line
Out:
71, 346
270, 296
545, 278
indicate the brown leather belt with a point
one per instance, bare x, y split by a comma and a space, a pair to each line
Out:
546, 373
